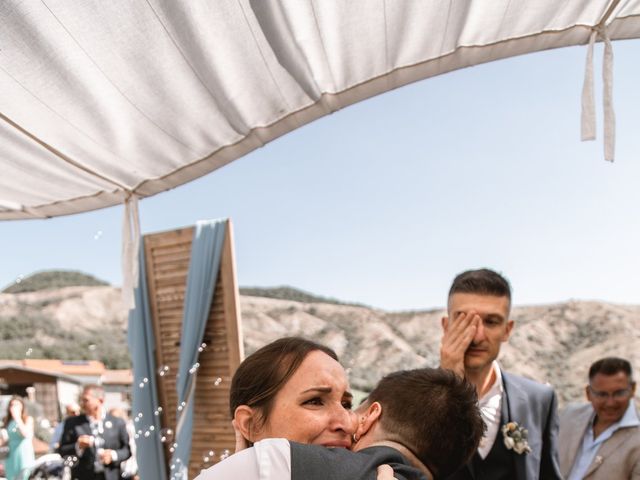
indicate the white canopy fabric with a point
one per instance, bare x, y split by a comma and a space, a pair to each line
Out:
104, 99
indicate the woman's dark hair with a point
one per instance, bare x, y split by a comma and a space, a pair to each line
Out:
8, 417
262, 374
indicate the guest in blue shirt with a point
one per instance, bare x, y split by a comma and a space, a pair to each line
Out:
601, 439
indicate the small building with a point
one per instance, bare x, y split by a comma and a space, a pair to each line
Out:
117, 389
50, 390
55, 383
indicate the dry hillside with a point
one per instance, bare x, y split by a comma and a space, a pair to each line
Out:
551, 343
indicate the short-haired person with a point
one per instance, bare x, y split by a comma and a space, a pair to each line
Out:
72, 410
423, 423
477, 324
600, 440
97, 438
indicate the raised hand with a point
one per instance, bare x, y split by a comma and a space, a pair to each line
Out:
16, 412
458, 335
385, 472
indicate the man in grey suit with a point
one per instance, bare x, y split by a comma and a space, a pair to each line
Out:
600, 440
520, 414
97, 440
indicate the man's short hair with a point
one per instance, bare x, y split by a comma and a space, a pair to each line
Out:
481, 282
610, 366
97, 391
432, 412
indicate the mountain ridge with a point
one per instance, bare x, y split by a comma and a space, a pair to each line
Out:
552, 343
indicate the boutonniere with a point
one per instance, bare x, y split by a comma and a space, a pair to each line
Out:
515, 438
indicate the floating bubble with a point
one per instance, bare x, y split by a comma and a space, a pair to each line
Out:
70, 461
202, 347
29, 352
152, 428
141, 385
163, 370
145, 380
166, 435
20, 278
217, 382
224, 454
158, 411
97, 235
194, 368
147, 433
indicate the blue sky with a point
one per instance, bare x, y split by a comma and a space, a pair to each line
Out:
385, 201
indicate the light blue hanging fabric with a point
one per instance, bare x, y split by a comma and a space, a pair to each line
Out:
206, 252
141, 340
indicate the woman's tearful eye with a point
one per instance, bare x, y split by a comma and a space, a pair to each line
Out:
316, 401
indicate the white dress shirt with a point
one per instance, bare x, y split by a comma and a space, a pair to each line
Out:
590, 446
268, 459
490, 409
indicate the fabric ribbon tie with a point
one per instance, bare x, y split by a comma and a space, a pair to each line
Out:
130, 246
588, 115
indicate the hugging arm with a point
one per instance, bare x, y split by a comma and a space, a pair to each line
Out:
385, 472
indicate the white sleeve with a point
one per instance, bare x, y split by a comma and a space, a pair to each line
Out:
268, 459
274, 459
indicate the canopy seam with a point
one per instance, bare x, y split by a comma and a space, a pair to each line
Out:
108, 79
59, 154
324, 50
237, 123
262, 56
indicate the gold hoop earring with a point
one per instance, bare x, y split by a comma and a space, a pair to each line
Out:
354, 438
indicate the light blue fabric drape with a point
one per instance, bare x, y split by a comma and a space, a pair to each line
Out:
206, 250
141, 340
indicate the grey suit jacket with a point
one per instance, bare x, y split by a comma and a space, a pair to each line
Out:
617, 458
533, 406
310, 462
115, 438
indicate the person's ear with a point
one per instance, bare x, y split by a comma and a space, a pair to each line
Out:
587, 392
369, 419
508, 330
245, 419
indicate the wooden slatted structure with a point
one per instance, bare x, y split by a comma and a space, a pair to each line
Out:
167, 264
